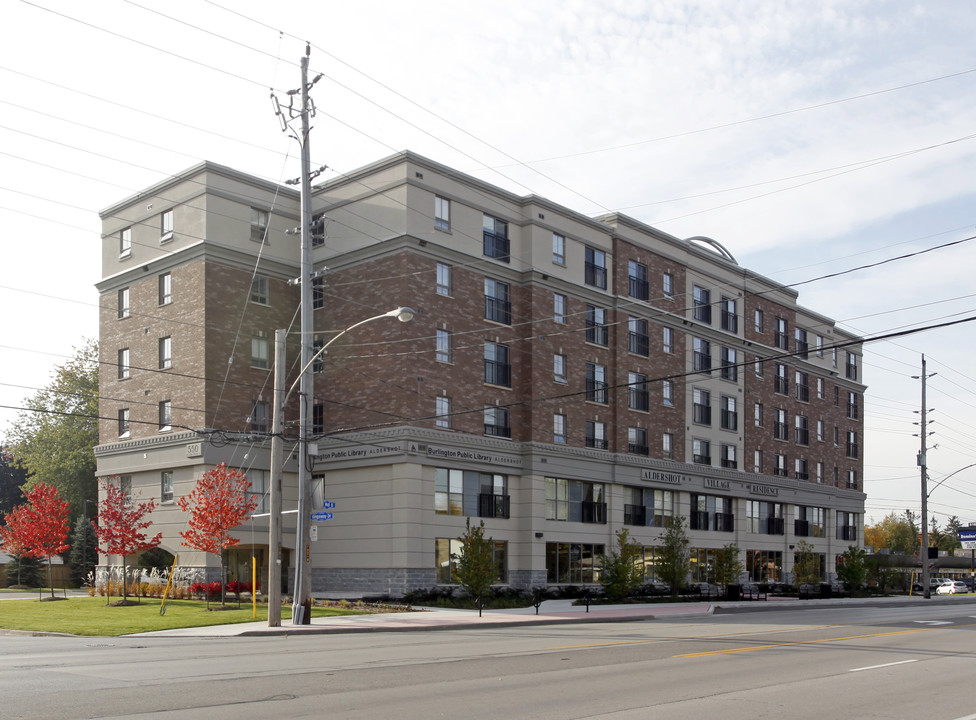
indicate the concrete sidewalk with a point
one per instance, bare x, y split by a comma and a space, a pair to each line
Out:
551, 612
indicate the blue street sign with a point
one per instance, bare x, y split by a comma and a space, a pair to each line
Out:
319, 516
328, 504
967, 538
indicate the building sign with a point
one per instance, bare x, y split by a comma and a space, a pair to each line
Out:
657, 476
715, 484
967, 536
355, 453
764, 490
472, 456
194, 450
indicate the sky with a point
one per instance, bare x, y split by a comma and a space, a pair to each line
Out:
810, 139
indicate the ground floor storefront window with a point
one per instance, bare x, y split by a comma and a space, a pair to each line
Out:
764, 565
573, 563
448, 552
702, 563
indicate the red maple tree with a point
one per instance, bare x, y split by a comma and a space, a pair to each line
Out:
120, 526
219, 502
38, 528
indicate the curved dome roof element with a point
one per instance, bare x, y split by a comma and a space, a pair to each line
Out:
714, 245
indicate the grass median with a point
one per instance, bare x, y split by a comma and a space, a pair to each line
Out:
91, 615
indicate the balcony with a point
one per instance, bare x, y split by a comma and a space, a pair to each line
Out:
493, 506
730, 322
497, 373
594, 512
847, 532
596, 391
852, 411
782, 385
703, 362
698, 520
730, 420
638, 449
803, 393
802, 436
775, 526
496, 246
595, 275
498, 310
780, 431
724, 522
635, 515
701, 414
596, 443
596, 334
801, 528
852, 450
637, 288
702, 459
640, 400
639, 344
498, 430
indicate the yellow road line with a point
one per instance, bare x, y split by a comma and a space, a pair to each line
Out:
687, 637
753, 648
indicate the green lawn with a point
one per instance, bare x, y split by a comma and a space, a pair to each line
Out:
91, 616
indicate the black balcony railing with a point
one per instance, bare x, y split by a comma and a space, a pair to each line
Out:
730, 322
597, 443
775, 526
730, 420
724, 522
594, 512
848, 532
638, 288
639, 344
782, 385
780, 431
640, 400
802, 436
638, 449
852, 411
702, 459
496, 246
498, 430
703, 362
701, 414
596, 333
497, 373
698, 520
852, 450
493, 506
634, 515
801, 528
498, 310
595, 275
596, 391
803, 393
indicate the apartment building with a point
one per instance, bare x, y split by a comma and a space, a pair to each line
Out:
564, 377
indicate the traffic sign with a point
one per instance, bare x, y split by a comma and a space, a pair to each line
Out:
320, 516
328, 504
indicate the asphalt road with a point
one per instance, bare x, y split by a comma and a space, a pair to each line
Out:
860, 662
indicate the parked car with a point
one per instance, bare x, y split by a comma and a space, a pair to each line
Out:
934, 583
951, 588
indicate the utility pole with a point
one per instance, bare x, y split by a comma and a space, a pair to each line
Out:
923, 470
302, 602
277, 468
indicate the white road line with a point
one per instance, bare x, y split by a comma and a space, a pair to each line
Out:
967, 717
902, 662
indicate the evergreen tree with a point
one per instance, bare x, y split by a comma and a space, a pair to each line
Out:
23, 571
84, 551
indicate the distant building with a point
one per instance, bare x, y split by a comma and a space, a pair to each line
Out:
564, 377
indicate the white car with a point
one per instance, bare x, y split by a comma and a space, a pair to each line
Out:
951, 587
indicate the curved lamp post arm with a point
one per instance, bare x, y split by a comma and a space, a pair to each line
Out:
949, 476
403, 314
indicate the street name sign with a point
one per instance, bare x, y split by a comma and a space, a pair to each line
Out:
320, 516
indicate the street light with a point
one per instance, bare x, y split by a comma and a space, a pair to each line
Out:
301, 604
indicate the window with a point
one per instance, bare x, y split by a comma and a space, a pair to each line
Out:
758, 414
782, 380
800, 338
730, 369
757, 461
852, 479
667, 285
596, 268
730, 321
258, 489
125, 487
757, 366
846, 525
596, 326
668, 340
125, 243
639, 397
758, 320
260, 353
833, 357
730, 416
811, 521
166, 415
802, 387
852, 448
764, 518
637, 441
260, 416
443, 286
559, 368
443, 351
596, 434
820, 388
318, 293
575, 501
318, 230
123, 303
821, 430
836, 436
124, 364
702, 354
637, 340
165, 353
260, 290
667, 446
498, 307
818, 343
852, 411
703, 304
166, 486
498, 371
820, 472
802, 430
800, 469
471, 493
496, 238
165, 289
442, 213
558, 308
701, 406
573, 562
449, 550
318, 418
701, 451
782, 334
318, 364
596, 383
442, 412
667, 392
166, 226
558, 249
651, 508
780, 430
496, 422
559, 428
637, 285
779, 465
124, 423
728, 459
711, 512
259, 225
